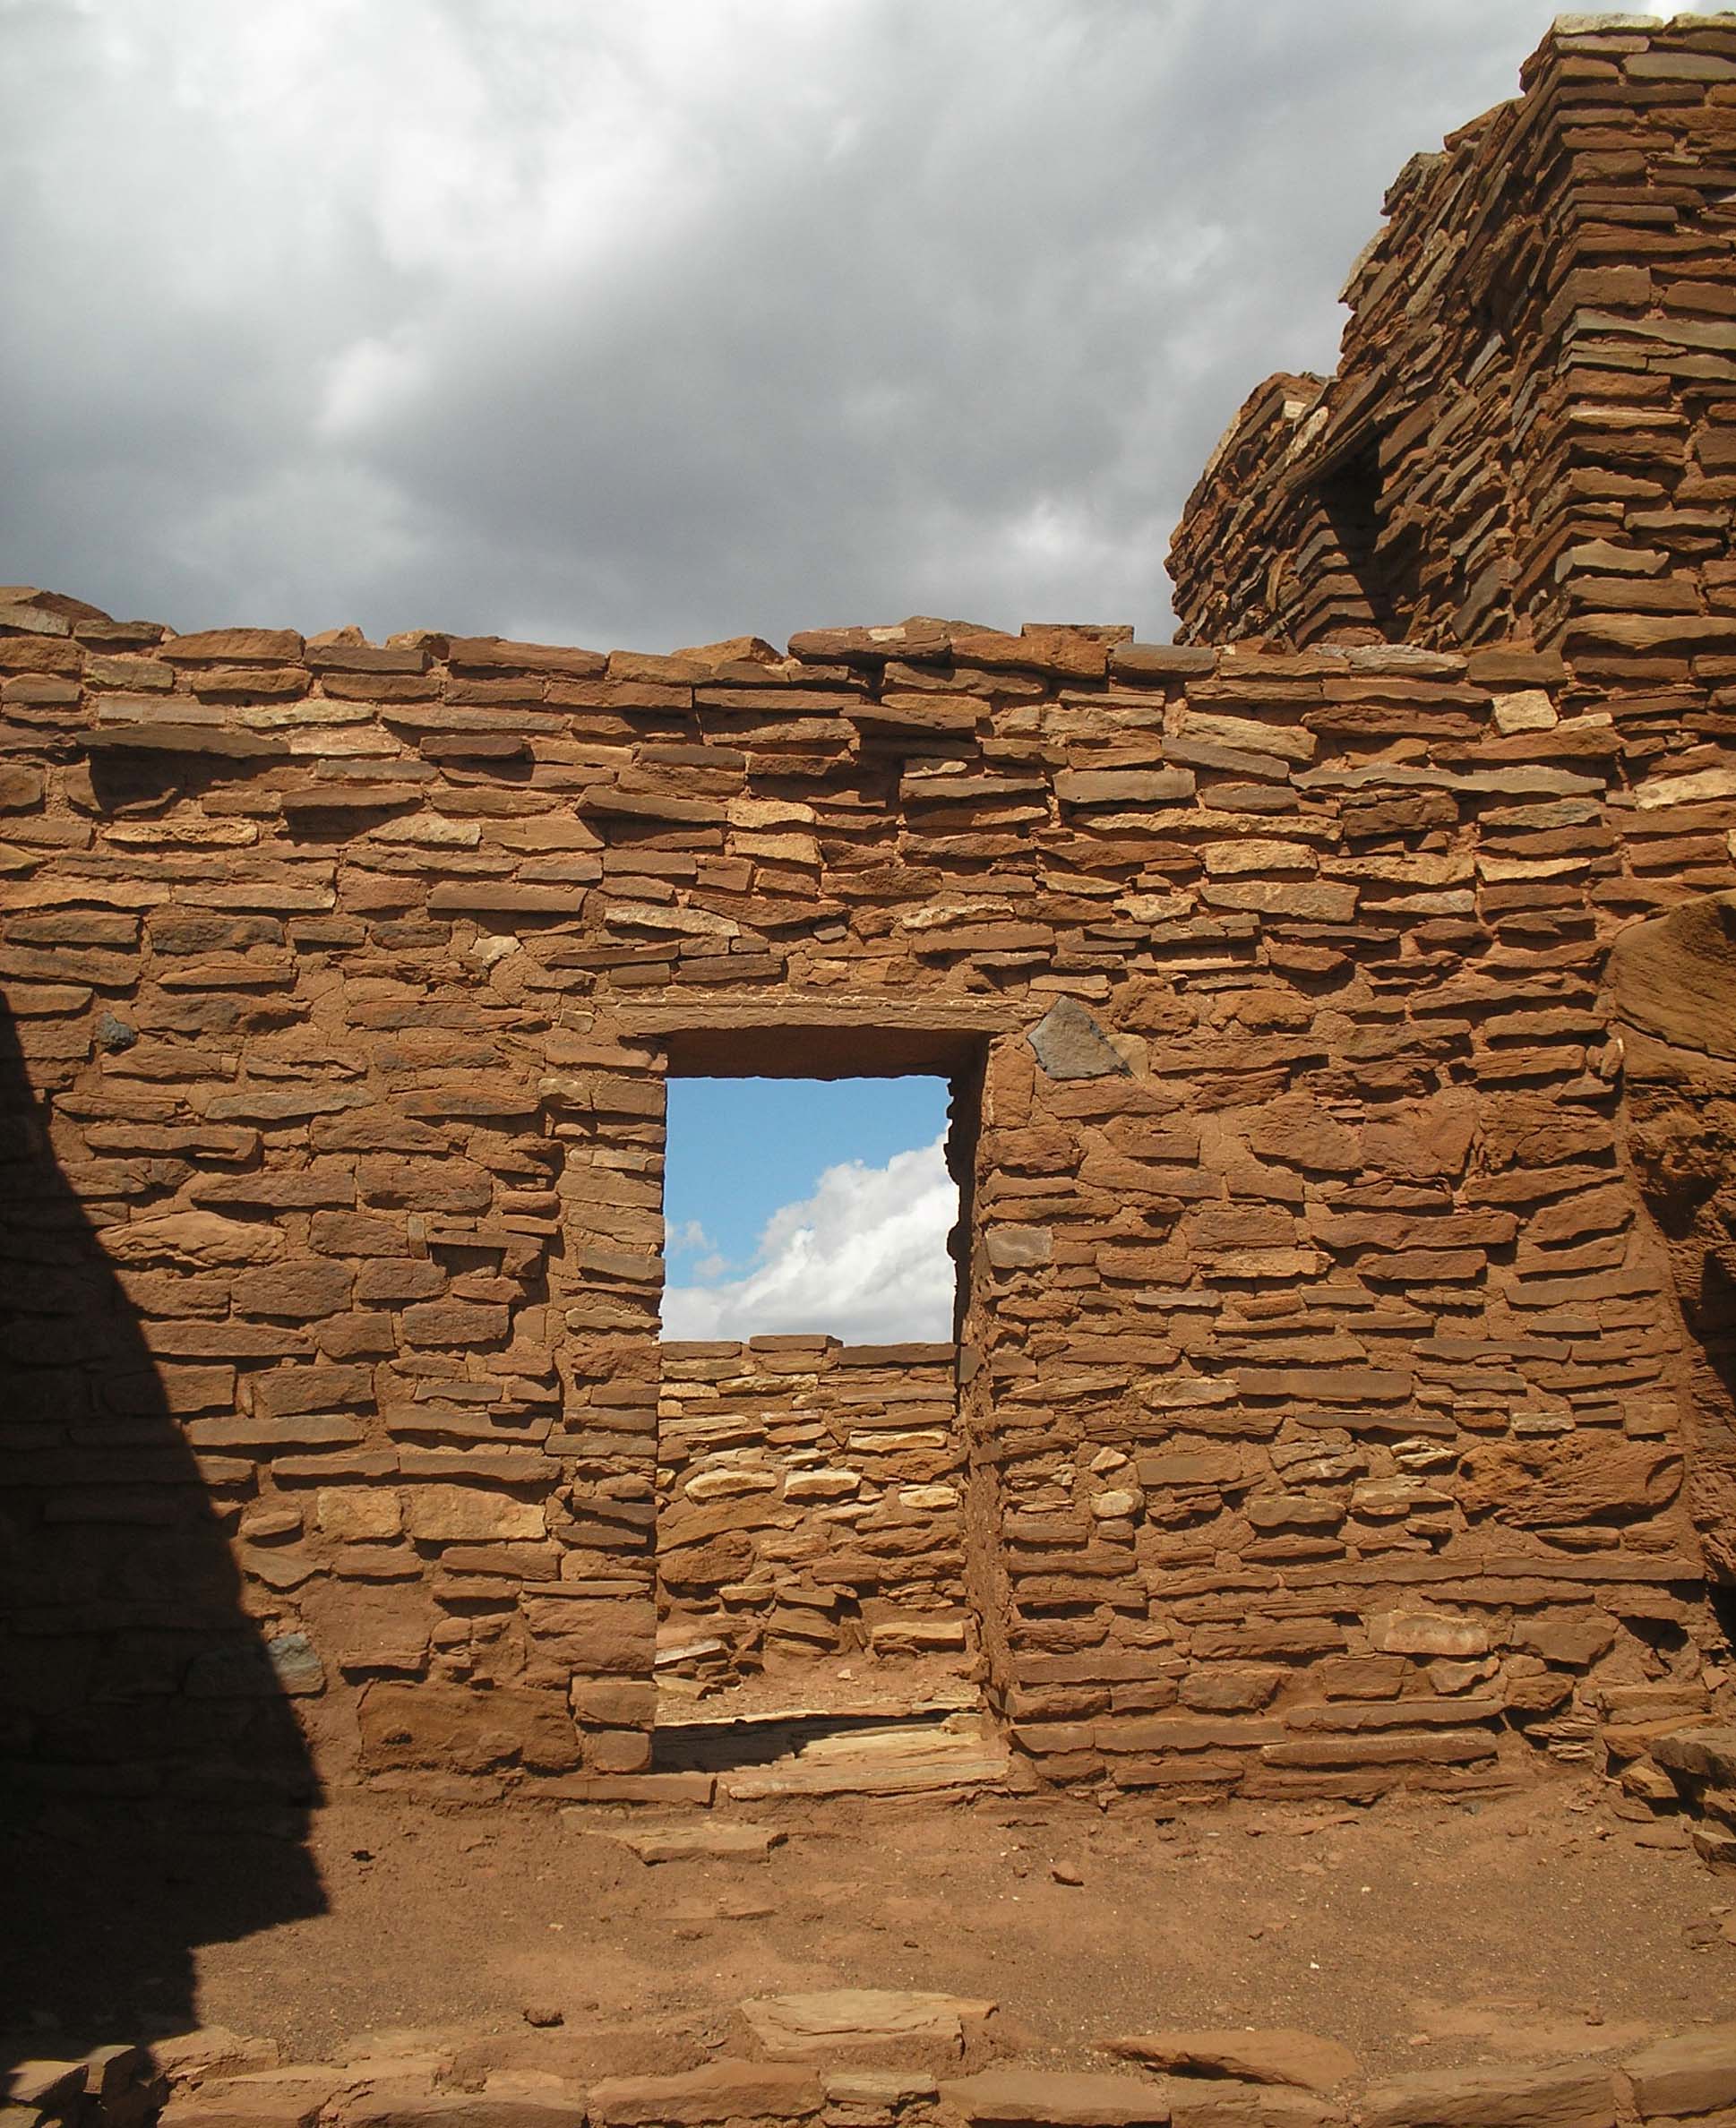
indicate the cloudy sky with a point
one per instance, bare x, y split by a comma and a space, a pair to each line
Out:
808, 1205
649, 321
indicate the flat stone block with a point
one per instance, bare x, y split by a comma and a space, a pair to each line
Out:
1058, 2099
1580, 2096
721, 1841
1693, 2074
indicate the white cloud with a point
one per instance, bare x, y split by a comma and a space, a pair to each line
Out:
655, 324
682, 1237
864, 1258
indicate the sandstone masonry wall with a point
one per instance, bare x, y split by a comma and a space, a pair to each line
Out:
1531, 430
810, 1503
1322, 1379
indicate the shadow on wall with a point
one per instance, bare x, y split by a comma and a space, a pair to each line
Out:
154, 1786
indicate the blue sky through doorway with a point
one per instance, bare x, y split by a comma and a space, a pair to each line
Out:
808, 1205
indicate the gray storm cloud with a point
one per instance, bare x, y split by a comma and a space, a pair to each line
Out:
649, 324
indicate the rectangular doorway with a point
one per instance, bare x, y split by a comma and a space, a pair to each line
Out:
812, 1470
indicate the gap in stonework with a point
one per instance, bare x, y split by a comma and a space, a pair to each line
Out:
811, 1482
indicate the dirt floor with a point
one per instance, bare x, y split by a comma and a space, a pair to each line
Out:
1422, 1934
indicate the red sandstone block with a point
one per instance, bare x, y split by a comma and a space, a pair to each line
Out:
493, 652
235, 646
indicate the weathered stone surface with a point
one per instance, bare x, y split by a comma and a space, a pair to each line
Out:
1569, 1480
428, 1724
1058, 2099
725, 1841
1428, 1633
1707, 1754
723, 2090
849, 2023
1282, 2056
288, 2097
1019, 1247
1220, 2103
1127, 786
195, 1241
1573, 2096
467, 1513
211, 2050
1693, 2074
1675, 976
509, 2099
1070, 1044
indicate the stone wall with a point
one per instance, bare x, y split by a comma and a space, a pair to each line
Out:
1322, 1381
810, 1503
1673, 994
1532, 429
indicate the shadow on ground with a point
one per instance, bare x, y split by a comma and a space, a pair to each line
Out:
154, 1786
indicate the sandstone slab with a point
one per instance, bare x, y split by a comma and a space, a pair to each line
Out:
723, 2090
722, 1841
1058, 2099
1693, 2074
509, 2099
849, 2023
1280, 2056
1579, 2095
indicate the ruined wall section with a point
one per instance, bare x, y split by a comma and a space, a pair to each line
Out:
809, 1505
1318, 1363
1530, 428
1672, 1000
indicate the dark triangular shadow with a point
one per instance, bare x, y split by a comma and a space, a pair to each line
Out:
155, 1789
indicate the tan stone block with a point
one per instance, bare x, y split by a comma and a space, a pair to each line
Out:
370, 1625
1058, 2099
193, 1239
1314, 901
1428, 1633
359, 1514
1254, 854
1694, 2074
1018, 1248
469, 1513
1574, 2096
722, 2090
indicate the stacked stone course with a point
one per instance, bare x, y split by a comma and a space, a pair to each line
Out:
810, 1503
1532, 429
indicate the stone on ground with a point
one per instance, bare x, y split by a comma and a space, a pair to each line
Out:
212, 2050
291, 2098
1058, 2099
1693, 2074
1579, 2095
719, 1842
1221, 2102
852, 2022
722, 2090
511, 2099
1278, 2055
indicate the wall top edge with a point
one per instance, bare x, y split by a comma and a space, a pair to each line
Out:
51, 634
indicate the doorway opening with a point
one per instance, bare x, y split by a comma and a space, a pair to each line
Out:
811, 1471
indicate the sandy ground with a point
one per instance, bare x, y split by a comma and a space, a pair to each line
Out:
1421, 1934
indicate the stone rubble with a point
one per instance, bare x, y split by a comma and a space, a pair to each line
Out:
822, 2065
